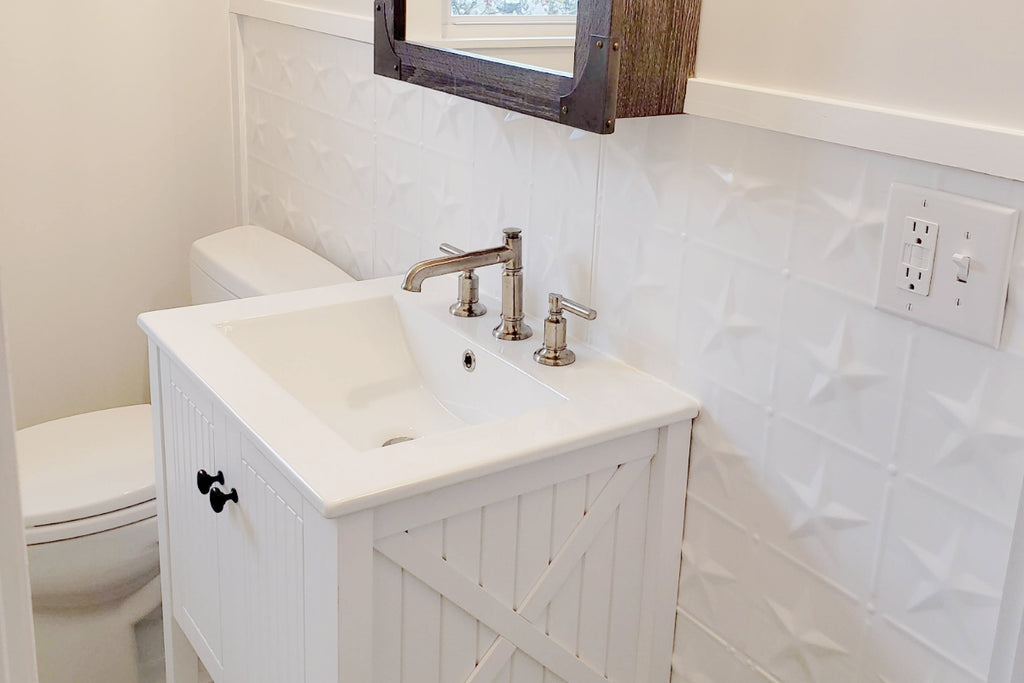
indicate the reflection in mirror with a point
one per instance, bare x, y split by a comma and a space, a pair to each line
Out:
538, 34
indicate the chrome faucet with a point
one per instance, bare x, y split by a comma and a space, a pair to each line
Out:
510, 254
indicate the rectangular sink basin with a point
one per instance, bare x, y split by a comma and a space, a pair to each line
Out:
322, 379
378, 371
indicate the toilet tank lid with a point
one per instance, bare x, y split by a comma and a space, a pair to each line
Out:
86, 465
249, 261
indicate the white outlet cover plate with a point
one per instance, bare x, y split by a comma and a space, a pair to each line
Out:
978, 229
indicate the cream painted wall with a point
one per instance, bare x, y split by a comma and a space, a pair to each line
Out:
953, 59
117, 152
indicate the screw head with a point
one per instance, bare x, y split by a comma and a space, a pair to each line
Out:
600, 44
615, 45
565, 109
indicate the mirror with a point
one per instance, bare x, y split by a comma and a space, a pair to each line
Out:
539, 34
630, 57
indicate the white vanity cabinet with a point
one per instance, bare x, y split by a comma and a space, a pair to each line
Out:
535, 545
235, 576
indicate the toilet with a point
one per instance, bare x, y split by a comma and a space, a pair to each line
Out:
87, 490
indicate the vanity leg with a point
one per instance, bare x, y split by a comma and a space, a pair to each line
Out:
182, 662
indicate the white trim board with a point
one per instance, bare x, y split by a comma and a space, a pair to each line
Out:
342, 24
950, 142
17, 638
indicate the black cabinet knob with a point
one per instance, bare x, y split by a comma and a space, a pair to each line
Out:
218, 498
204, 480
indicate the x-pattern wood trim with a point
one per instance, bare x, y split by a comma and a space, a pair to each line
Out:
515, 627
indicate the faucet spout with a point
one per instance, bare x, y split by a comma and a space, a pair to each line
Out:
512, 326
451, 264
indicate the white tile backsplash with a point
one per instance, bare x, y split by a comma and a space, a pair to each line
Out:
854, 477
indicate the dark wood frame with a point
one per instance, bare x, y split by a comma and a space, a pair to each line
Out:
632, 58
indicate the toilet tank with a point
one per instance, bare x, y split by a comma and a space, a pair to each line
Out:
249, 261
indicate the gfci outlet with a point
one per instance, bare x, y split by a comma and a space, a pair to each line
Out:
946, 261
918, 255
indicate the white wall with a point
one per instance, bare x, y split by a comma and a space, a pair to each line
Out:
855, 477
115, 133
955, 59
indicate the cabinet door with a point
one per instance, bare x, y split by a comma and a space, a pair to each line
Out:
191, 440
262, 567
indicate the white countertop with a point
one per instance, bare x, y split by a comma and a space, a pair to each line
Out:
606, 400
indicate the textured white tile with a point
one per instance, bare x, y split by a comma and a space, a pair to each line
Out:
841, 368
636, 288
699, 657
826, 505
502, 181
726, 457
344, 84
962, 429
893, 656
840, 215
743, 185
448, 124
807, 631
641, 244
399, 109
395, 249
942, 573
344, 233
729, 321
446, 188
399, 173
560, 249
717, 585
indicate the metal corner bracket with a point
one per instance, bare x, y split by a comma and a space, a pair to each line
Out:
591, 104
385, 61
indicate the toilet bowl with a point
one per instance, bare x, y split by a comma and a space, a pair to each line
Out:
87, 487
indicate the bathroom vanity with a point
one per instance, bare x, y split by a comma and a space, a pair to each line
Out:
524, 524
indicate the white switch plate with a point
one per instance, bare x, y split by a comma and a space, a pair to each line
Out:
958, 225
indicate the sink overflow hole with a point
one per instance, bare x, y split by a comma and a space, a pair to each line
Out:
397, 439
469, 360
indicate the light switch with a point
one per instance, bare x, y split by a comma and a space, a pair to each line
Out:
946, 261
963, 267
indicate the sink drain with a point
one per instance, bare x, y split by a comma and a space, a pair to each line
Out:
397, 439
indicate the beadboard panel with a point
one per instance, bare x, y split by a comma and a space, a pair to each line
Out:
855, 477
268, 563
521, 590
189, 440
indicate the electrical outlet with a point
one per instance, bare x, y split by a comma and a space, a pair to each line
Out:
918, 255
954, 278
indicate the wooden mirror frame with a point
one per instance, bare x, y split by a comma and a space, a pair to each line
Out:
632, 58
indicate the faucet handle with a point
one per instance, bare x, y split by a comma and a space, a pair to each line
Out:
468, 305
555, 352
558, 303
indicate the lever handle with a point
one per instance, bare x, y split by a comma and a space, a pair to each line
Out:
218, 499
204, 480
558, 303
555, 353
468, 305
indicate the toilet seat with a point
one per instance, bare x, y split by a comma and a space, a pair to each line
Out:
86, 473
64, 531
